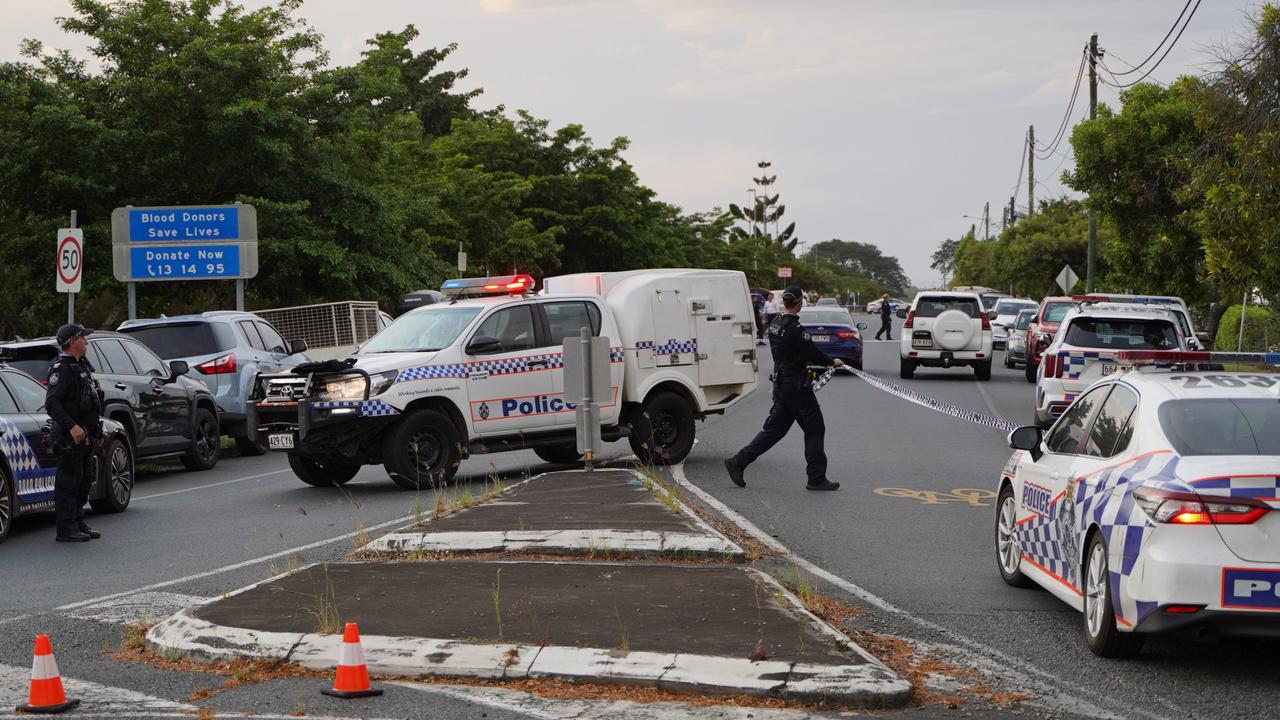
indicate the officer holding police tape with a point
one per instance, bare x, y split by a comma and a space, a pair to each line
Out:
793, 397
74, 402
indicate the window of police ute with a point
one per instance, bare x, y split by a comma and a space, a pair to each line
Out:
1113, 429
431, 328
7, 404
566, 319
934, 305
1222, 426
1070, 430
513, 327
1110, 334
29, 393
183, 340
1055, 312
825, 317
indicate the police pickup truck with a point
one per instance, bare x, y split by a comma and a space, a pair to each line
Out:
483, 372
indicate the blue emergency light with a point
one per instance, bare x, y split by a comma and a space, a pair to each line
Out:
503, 285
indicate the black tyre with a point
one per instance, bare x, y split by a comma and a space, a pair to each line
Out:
423, 451
559, 454
1008, 551
249, 448
206, 444
1008, 364
1100, 631
115, 470
669, 436
8, 504
907, 369
982, 371
1032, 369
319, 473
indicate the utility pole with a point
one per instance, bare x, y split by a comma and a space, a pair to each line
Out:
1093, 111
1013, 211
1031, 170
986, 221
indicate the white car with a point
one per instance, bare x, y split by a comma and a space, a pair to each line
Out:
1003, 316
944, 329
1150, 504
1174, 304
1085, 346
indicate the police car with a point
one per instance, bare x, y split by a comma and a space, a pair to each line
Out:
484, 372
1085, 346
28, 462
1151, 504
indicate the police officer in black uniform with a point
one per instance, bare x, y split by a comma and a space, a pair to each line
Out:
74, 402
793, 398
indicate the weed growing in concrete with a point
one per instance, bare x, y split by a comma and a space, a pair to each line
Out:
135, 636
511, 657
497, 602
224, 592
624, 638
362, 536
520, 523
173, 655
328, 619
417, 508
653, 482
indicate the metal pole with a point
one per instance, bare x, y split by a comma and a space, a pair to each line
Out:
240, 294
1093, 112
1244, 306
132, 289
584, 336
71, 297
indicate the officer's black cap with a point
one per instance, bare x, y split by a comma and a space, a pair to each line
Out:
71, 331
793, 294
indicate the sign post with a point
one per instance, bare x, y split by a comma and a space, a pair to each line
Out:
784, 272
1067, 278
69, 264
586, 373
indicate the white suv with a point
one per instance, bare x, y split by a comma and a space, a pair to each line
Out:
945, 329
1084, 349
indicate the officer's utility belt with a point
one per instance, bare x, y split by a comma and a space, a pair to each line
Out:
795, 378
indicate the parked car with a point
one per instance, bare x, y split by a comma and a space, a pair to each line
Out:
989, 300
895, 305
1042, 329
1015, 351
165, 413
28, 462
835, 333
828, 302
225, 351
945, 329
417, 299
1003, 315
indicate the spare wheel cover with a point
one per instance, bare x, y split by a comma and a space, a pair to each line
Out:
953, 330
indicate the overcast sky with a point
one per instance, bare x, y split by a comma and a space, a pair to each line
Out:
886, 122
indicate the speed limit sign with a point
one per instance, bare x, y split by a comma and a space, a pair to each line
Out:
69, 262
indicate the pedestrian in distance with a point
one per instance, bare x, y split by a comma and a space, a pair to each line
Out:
771, 308
793, 397
74, 402
757, 304
886, 318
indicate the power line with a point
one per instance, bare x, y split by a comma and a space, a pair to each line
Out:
1066, 117
1134, 68
1162, 57
1022, 166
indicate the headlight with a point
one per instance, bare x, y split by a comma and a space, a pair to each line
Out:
348, 388
382, 381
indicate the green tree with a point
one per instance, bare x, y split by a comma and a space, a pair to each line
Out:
766, 211
864, 260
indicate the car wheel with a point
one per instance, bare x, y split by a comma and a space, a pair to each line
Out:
1032, 368
1008, 364
559, 454
249, 448
205, 442
8, 505
1008, 550
423, 451
669, 436
115, 469
982, 371
1104, 639
906, 369
320, 473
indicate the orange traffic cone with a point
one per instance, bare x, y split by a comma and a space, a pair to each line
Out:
47, 695
353, 675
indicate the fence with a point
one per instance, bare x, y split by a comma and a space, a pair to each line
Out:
337, 324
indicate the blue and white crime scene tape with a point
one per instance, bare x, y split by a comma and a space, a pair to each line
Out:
936, 405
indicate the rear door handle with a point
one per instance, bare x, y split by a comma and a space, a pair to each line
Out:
121, 386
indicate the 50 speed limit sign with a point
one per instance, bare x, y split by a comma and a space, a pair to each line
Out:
69, 262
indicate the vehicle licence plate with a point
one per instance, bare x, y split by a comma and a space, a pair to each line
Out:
1109, 368
822, 338
921, 342
280, 441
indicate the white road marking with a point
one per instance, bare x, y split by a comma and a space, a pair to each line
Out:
210, 485
146, 606
15, 682
986, 398
1044, 687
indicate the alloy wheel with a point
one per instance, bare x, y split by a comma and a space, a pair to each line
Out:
1006, 543
121, 474
1095, 595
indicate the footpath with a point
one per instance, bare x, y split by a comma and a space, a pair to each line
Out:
598, 577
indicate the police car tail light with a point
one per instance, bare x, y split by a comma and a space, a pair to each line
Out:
911, 319
1166, 506
1051, 366
218, 366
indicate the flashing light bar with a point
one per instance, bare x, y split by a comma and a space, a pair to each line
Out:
506, 284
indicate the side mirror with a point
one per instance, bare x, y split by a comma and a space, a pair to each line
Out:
902, 313
862, 326
1028, 438
1035, 319
1203, 337
177, 368
297, 347
484, 345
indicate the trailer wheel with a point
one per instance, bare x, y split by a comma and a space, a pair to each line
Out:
662, 433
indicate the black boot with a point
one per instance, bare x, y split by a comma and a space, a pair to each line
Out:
75, 536
93, 534
824, 485
735, 472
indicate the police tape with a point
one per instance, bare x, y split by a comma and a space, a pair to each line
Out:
934, 404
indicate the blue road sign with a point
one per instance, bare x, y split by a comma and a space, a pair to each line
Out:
184, 224
184, 262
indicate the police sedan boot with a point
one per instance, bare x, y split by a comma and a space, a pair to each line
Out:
76, 536
93, 534
824, 485
735, 472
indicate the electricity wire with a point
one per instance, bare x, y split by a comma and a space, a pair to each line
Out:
1052, 145
1134, 68
1167, 50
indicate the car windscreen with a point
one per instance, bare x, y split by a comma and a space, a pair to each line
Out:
825, 317
934, 305
1222, 426
434, 327
1006, 307
1024, 319
1055, 312
989, 301
184, 340
1115, 334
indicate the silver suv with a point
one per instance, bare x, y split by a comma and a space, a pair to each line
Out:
225, 350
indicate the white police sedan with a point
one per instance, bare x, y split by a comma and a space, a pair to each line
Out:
1150, 505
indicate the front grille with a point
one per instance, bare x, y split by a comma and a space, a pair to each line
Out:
285, 390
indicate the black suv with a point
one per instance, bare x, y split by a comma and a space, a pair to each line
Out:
165, 413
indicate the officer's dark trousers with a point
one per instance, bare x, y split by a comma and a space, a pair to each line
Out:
791, 405
71, 487
886, 328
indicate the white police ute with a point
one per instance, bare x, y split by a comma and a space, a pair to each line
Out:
1085, 347
484, 372
1153, 503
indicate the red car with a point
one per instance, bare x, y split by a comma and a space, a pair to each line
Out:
1040, 331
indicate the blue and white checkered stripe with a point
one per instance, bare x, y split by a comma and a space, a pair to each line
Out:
33, 482
1074, 362
670, 347
1041, 540
1265, 487
496, 367
367, 408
